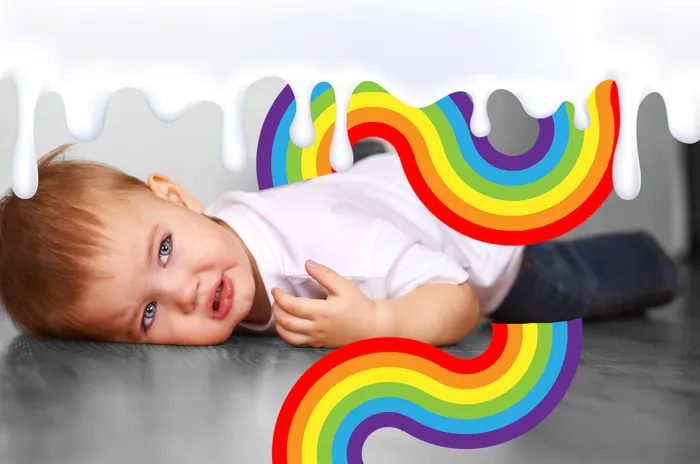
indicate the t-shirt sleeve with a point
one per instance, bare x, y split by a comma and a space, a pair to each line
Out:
419, 266
408, 264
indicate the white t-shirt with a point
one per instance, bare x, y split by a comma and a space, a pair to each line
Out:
369, 226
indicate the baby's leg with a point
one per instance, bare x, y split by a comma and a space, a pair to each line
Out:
597, 277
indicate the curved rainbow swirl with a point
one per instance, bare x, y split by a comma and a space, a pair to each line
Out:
429, 394
385, 382
465, 182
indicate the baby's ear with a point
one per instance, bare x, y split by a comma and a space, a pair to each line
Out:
165, 188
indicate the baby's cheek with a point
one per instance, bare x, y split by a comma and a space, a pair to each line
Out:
226, 246
200, 331
245, 284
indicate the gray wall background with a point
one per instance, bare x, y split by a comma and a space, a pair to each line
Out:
188, 151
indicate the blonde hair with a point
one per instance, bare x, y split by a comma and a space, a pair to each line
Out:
46, 242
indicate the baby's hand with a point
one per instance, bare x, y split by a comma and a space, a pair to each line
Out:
345, 316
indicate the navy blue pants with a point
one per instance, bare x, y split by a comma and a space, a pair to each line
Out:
603, 276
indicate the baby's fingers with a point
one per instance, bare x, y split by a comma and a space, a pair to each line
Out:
303, 308
290, 322
292, 338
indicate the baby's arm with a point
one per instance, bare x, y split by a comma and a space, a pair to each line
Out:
438, 314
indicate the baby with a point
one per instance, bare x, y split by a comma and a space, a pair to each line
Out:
98, 254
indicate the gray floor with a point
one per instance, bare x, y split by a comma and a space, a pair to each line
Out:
635, 399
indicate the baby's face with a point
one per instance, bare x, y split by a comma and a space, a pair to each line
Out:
174, 275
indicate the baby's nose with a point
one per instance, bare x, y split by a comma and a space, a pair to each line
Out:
184, 296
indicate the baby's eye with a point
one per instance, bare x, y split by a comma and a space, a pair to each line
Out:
166, 247
148, 315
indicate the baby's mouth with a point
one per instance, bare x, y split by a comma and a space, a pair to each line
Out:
217, 297
220, 301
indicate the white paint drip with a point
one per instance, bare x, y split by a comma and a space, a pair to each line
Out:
23, 171
180, 53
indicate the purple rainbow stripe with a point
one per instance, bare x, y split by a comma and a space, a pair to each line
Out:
482, 440
499, 160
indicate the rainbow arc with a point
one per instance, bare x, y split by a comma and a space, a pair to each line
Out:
462, 179
422, 390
